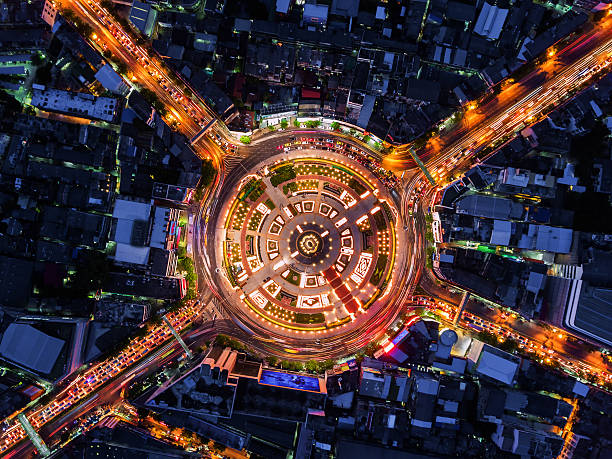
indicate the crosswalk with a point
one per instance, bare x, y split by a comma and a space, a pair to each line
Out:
231, 161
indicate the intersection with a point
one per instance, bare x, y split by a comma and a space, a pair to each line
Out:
484, 125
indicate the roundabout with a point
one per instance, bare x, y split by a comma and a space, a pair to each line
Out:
306, 250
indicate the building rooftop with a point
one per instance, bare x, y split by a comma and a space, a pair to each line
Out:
111, 80
490, 21
502, 230
493, 363
480, 205
16, 282
143, 17
588, 311
553, 239
77, 104
27, 346
131, 232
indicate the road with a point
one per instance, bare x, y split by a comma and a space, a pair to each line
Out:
185, 111
286, 343
518, 104
107, 392
569, 351
73, 393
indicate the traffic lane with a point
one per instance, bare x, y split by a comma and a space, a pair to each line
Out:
77, 392
112, 391
494, 107
539, 334
136, 67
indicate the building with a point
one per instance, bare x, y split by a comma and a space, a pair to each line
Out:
146, 235
203, 390
384, 384
527, 442
30, 348
16, 282
116, 311
490, 21
587, 311
75, 104
479, 205
424, 396
282, 6
15, 64
111, 80
161, 288
49, 12
493, 363
315, 15
143, 16
345, 8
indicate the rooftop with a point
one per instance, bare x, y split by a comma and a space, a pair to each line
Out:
494, 363
27, 346
71, 103
132, 231
490, 21
588, 311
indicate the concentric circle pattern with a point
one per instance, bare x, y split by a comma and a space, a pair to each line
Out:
308, 244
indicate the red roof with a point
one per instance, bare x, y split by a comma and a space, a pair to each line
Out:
310, 94
351, 306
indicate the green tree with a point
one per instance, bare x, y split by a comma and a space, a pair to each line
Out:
272, 360
296, 123
335, 126
488, 338
122, 67
366, 138
208, 173
271, 128
37, 58
370, 349
509, 345
353, 131
312, 366
284, 124
68, 15
245, 139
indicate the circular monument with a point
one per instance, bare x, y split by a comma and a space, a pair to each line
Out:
306, 242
